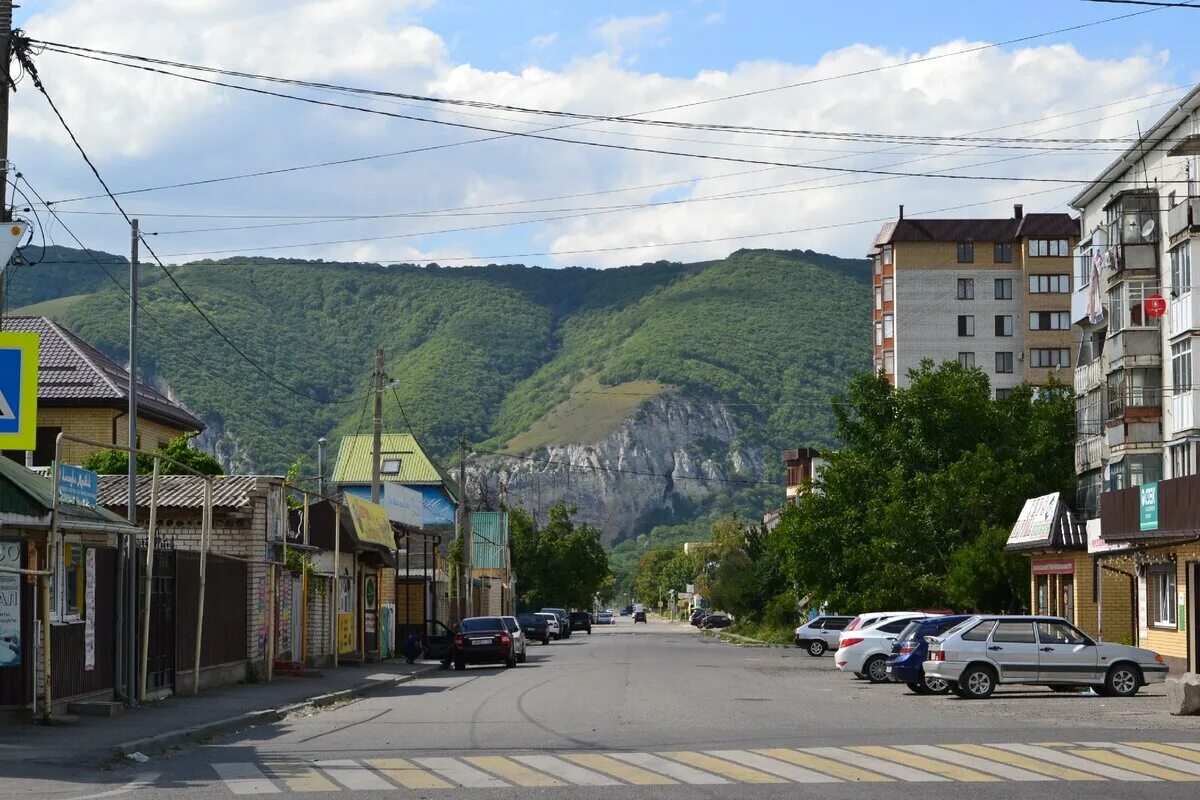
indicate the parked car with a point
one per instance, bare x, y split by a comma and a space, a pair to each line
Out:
821, 634
716, 621
639, 616
906, 662
863, 620
626, 611
536, 627
605, 618
864, 651
519, 641
564, 621
985, 651
581, 621
697, 617
552, 624
483, 640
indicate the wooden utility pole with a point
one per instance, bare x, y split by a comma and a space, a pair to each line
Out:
377, 440
128, 588
464, 527
6, 15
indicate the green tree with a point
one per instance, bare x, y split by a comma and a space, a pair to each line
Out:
559, 563
116, 462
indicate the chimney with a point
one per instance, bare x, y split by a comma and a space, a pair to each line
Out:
1018, 211
901, 211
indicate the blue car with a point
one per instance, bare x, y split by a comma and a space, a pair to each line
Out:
910, 651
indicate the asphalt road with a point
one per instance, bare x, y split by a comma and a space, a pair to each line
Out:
657, 711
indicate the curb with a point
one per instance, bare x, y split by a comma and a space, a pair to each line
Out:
745, 641
165, 741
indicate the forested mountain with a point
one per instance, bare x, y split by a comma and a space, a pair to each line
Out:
509, 356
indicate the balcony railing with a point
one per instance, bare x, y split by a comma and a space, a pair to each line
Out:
1125, 397
1088, 377
1183, 217
1182, 411
1087, 453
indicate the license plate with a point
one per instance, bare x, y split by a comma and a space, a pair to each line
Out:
481, 641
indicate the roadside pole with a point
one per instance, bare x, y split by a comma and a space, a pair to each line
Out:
377, 433
148, 584
205, 535
127, 604
464, 526
6, 14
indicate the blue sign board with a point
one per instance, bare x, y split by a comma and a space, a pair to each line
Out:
77, 485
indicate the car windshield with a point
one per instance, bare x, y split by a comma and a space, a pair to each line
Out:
580, 615
530, 619
481, 624
910, 632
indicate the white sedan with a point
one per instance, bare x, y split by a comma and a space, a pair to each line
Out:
864, 651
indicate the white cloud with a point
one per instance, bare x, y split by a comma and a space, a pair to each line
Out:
544, 40
714, 18
622, 34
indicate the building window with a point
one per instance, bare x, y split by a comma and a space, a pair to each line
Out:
966, 252
1049, 357
1160, 596
1134, 471
1181, 365
966, 325
1181, 269
1049, 320
887, 290
1127, 305
1004, 325
878, 265
1049, 284
1052, 248
1003, 253
878, 298
1004, 288
1003, 394
67, 588
878, 334
966, 288
1004, 363
345, 595
966, 360
889, 329
1181, 459
878, 365
887, 254
889, 362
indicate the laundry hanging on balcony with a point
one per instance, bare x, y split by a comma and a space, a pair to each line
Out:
1095, 309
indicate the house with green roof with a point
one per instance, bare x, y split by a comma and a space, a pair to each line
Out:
402, 461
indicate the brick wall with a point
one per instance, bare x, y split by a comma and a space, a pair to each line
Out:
1173, 644
97, 424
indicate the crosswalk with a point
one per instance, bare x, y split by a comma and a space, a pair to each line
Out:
1137, 761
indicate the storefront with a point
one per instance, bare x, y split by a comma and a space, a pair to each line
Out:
1056, 547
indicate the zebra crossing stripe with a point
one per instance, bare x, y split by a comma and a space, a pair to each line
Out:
781, 769
352, 775
1123, 761
680, 772
462, 774
619, 769
1161, 759
1175, 749
407, 774
952, 771
299, 777
513, 772
572, 773
245, 778
865, 761
974, 762
730, 769
1075, 762
835, 768
1050, 769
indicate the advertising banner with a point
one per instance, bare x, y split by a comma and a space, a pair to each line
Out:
89, 610
1036, 521
1148, 506
403, 505
10, 604
371, 522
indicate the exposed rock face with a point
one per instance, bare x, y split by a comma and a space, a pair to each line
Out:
669, 452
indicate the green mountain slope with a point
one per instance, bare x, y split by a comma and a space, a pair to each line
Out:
490, 352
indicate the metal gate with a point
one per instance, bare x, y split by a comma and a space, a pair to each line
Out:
160, 665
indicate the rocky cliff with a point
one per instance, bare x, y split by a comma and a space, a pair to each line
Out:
670, 454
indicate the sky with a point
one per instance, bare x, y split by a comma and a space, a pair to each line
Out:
554, 203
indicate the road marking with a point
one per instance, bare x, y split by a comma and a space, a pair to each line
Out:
680, 772
835, 768
874, 764
567, 771
983, 765
1162, 759
1051, 769
462, 774
1168, 749
770, 766
408, 774
140, 782
245, 778
619, 769
737, 772
1075, 762
352, 775
513, 772
299, 777
1125, 762
951, 771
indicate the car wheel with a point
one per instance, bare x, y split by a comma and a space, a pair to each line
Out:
917, 687
545, 640
934, 685
460, 665
816, 648
977, 683
521, 658
859, 676
956, 689
876, 669
510, 662
1123, 680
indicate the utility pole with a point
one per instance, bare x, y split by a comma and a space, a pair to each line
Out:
321, 465
129, 587
464, 526
377, 440
6, 13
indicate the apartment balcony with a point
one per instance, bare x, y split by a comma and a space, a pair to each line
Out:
1181, 411
1087, 377
1183, 218
1134, 347
1088, 453
1123, 436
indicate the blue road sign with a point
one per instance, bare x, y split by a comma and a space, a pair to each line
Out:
18, 391
77, 485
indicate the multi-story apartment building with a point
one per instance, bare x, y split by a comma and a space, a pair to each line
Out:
1137, 318
990, 293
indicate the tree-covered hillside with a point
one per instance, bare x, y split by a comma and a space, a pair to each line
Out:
485, 352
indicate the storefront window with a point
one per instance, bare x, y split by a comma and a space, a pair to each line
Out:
1160, 592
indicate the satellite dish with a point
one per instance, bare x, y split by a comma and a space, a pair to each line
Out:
1147, 229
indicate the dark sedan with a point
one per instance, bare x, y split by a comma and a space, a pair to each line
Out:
535, 627
581, 621
716, 621
483, 640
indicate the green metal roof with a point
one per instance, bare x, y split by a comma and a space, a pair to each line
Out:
353, 464
25, 492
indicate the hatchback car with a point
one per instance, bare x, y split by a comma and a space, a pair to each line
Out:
639, 616
581, 621
984, 651
514, 628
536, 627
905, 664
605, 618
564, 621
864, 651
483, 640
821, 634
552, 624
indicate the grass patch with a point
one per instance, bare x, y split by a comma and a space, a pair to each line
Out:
764, 632
589, 413
49, 308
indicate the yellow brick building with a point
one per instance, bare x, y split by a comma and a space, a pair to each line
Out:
83, 392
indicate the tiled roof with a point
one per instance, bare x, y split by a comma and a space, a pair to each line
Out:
978, 230
416, 467
40, 491
184, 491
72, 372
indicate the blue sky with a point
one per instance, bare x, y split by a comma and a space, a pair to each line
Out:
611, 58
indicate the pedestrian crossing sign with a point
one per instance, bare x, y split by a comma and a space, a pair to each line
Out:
18, 391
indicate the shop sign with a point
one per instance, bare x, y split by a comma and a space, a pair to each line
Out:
77, 485
1036, 521
345, 633
1148, 506
1096, 544
403, 505
1054, 566
10, 604
371, 522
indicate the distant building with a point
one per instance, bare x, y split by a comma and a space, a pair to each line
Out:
991, 293
402, 461
802, 465
83, 392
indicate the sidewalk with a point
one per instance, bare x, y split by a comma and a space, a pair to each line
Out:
179, 720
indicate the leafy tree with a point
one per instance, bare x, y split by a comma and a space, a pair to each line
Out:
116, 462
559, 563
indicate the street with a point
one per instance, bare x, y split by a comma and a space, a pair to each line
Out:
660, 710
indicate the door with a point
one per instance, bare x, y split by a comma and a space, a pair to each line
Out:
371, 612
160, 662
1013, 648
1064, 654
1192, 623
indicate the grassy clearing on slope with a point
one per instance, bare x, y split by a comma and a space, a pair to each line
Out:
49, 308
589, 413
